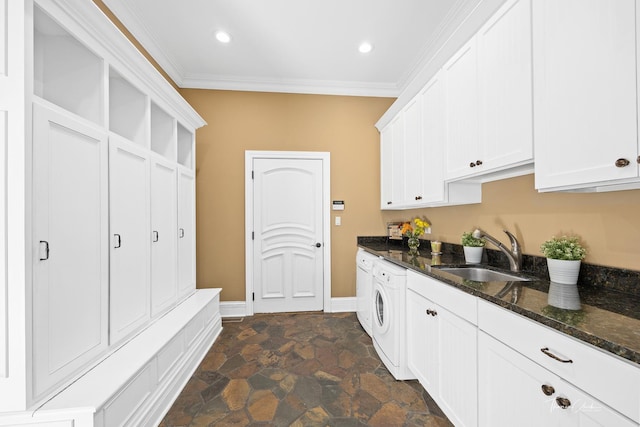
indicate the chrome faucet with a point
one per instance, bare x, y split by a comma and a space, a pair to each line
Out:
514, 255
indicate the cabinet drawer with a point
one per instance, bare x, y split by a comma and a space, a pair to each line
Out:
464, 305
613, 381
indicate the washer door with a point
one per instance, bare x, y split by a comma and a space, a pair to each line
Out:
381, 309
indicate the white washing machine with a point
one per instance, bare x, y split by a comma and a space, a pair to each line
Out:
389, 318
364, 288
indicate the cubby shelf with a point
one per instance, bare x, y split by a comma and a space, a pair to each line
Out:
128, 109
163, 133
66, 72
185, 147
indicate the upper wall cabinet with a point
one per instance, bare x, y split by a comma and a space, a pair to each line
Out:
489, 99
585, 84
412, 153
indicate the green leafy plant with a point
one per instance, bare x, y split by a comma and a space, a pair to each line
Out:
469, 240
565, 248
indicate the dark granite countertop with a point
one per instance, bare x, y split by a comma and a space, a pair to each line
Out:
609, 318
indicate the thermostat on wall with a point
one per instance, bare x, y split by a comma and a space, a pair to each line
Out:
338, 205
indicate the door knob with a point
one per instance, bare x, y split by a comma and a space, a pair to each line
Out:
317, 245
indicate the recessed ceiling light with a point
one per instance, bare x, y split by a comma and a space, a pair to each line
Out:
365, 47
223, 37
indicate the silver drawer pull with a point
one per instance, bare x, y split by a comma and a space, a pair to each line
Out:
553, 356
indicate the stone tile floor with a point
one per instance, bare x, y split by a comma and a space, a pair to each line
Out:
299, 369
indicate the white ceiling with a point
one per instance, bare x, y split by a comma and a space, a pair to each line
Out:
299, 46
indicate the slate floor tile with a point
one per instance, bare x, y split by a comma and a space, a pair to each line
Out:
299, 369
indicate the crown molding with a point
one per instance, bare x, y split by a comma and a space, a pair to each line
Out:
316, 87
136, 27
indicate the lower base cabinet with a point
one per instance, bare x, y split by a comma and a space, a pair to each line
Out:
442, 351
514, 390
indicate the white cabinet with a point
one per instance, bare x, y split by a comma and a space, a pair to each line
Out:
442, 345
433, 142
585, 93
461, 95
129, 195
526, 368
164, 289
413, 166
412, 155
489, 98
515, 390
386, 167
186, 232
504, 88
70, 245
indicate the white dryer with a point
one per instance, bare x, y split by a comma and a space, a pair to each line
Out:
364, 287
389, 318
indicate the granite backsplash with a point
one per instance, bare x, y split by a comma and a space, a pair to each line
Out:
591, 275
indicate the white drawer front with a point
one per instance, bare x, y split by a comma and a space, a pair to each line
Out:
606, 377
462, 304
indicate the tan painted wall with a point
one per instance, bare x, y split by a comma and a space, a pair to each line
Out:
239, 121
608, 223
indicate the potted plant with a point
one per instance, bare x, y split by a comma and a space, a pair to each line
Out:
473, 247
564, 255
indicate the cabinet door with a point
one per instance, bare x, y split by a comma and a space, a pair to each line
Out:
186, 233
422, 334
504, 87
397, 161
70, 247
457, 347
433, 141
584, 56
413, 165
129, 292
164, 289
461, 97
386, 168
514, 390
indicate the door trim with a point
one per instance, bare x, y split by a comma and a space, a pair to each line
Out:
326, 218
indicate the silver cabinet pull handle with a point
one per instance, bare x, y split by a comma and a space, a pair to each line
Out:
546, 351
118, 240
156, 236
181, 233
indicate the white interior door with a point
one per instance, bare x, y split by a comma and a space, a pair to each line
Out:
288, 234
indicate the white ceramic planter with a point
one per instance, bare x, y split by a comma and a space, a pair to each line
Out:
473, 255
563, 271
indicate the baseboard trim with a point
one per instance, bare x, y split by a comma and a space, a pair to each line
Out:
239, 308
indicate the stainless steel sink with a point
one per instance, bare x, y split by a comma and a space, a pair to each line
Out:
479, 274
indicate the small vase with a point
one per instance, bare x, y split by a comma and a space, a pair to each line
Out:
563, 271
473, 254
413, 243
